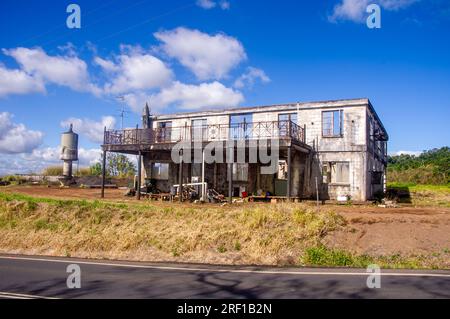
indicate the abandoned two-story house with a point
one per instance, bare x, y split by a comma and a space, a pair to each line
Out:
333, 149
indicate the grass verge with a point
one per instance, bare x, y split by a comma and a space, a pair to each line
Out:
285, 234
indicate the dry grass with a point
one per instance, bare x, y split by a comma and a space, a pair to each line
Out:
255, 234
258, 234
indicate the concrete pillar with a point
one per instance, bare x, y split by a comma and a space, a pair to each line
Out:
203, 177
67, 169
138, 193
230, 161
289, 177
103, 173
230, 182
180, 177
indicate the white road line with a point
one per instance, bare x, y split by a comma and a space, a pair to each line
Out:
12, 295
243, 271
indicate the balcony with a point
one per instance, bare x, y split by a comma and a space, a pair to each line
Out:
287, 130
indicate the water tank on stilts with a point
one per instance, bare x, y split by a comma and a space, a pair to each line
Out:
69, 152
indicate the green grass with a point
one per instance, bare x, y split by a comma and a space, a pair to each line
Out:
420, 194
419, 187
323, 256
326, 257
33, 201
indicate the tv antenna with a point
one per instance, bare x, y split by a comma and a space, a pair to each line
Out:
122, 111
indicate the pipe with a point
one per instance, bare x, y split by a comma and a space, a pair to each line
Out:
103, 174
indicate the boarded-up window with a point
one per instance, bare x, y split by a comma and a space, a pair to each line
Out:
336, 172
160, 171
332, 123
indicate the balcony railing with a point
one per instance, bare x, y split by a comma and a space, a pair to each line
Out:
208, 133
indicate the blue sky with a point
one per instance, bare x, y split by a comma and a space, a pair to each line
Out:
190, 55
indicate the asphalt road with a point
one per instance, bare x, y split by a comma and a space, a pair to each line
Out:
23, 277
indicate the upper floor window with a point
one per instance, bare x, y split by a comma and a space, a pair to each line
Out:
284, 123
241, 126
164, 132
199, 129
288, 117
332, 123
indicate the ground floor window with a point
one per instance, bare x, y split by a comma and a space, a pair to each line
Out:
336, 172
240, 172
160, 171
377, 178
282, 170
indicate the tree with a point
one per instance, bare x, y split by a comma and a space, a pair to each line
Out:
96, 169
119, 165
430, 167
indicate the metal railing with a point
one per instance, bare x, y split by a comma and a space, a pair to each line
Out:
208, 133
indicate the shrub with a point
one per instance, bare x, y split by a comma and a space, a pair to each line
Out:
53, 171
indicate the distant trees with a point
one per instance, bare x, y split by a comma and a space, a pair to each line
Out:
96, 169
119, 165
430, 167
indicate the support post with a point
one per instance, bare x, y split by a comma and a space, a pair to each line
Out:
103, 173
317, 193
180, 177
230, 182
138, 193
230, 160
304, 134
203, 177
289, 160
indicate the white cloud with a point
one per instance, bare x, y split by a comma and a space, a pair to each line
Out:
69, 71
250, 77
194, 97
88, 157
93, 130
415, 153
136, 101
106, 65
210, 4
225, 5
207, 56
16, 138
135, 72
355, 10
206, 4
18, 82
40, 158
51, 156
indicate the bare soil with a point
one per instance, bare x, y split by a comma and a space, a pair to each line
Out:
391, 231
